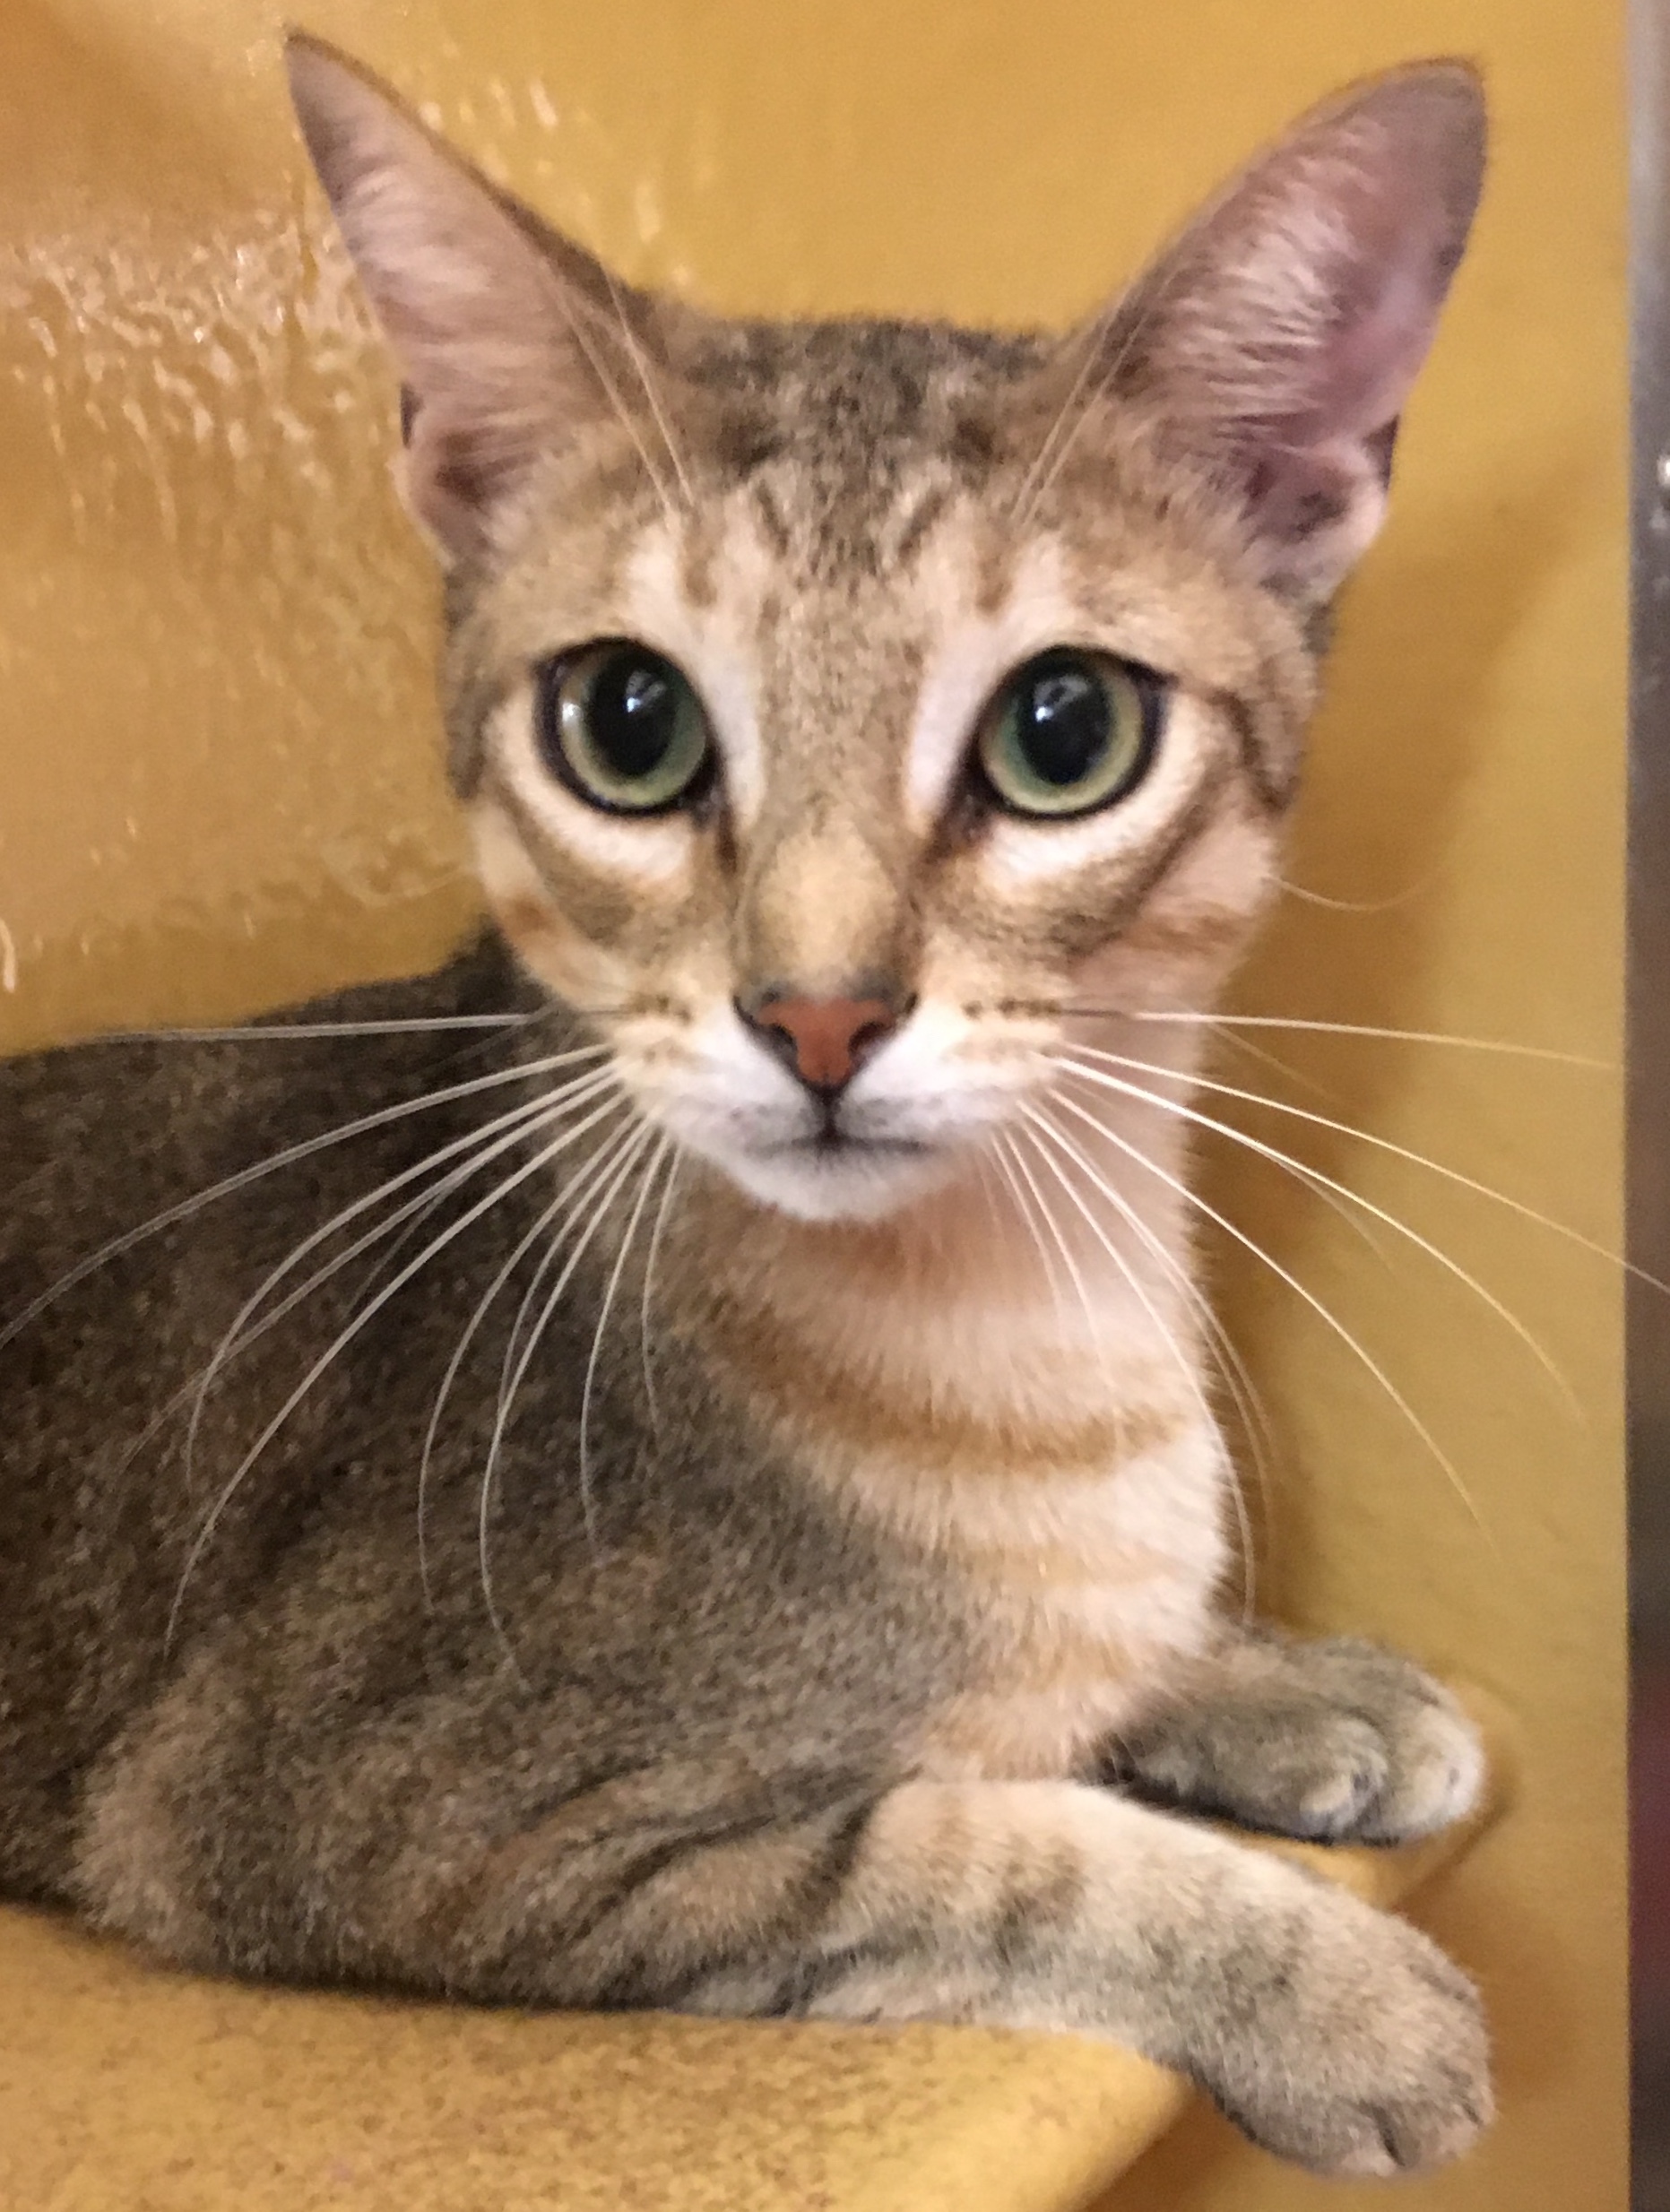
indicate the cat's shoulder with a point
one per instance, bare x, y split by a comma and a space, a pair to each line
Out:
368, 1042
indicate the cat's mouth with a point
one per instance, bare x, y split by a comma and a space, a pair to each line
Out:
831, 1173
834, 1135
830, 1166
832, 1141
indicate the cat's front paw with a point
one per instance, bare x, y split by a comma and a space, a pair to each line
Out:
1367, 2055
1335, 1741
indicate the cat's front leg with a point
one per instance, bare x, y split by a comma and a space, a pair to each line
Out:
1337, 1740
1332, 2034
454, 1846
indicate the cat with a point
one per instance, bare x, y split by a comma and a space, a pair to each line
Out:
670, 1462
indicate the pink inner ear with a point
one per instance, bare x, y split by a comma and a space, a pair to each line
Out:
1362, 375
1277, 342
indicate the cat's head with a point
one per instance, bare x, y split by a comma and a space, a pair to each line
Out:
846, 708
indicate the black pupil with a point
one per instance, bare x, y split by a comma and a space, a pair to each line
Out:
633, 714
1062, 722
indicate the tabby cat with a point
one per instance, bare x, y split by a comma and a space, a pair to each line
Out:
671, 1462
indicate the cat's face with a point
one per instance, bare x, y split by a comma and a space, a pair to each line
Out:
848, 713
945, 779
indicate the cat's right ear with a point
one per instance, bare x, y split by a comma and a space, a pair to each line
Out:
510, 341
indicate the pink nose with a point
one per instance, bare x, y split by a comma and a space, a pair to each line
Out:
826, 1038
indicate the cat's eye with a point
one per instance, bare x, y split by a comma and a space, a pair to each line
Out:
622, 727
1069, 731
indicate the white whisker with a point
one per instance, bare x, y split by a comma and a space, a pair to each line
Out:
611, 391
1350, 1029
1315, 1176
652, 1169
339, 1343
1358, 906
1033, 484
621, 1163
675, 1161
635, 354
1059, 1240
1400, 1152
1041, 1120
182, 1397
580, 1187
262, 1031
531, 1113
1004, 1154
1229, 1037
1091, 379
1330, 1320
483, 1307
187, 1207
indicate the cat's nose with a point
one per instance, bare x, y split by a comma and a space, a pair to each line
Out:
824, 1041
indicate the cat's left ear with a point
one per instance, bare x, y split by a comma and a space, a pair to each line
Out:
1274, 342
511, 341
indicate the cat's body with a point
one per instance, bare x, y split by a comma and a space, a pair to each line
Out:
879, 1597
761, 1575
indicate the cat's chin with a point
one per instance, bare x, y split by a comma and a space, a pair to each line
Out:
855, 1182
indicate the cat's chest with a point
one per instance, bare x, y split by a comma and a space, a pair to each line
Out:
1048, 1465
1084, 1590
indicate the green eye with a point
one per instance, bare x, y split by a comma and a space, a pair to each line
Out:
622, 727
1070, 731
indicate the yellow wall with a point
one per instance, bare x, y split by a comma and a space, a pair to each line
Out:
218, 755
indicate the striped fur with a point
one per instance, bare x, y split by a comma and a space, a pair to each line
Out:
827, 1624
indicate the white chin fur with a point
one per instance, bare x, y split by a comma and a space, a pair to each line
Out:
853, 1184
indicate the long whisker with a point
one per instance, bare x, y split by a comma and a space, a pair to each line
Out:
1394, 1151
1314, 1176
652, 1169
1266, 1058
1059, 1240
1327, 1194
611, 391
1330, 1320
531, 1313
578, 1192
1041, 1120
622, 1161
1358, 906
561, 1202
530, 1113
182, 1397
1432, 1167
263, 1032
1248, 1399
648, 1296
1033, 484
582, 1186
1167, 1332
1004, 1154
985, 1160
635, 354
228, 1188
1091, 379
1346, 1029
345, 1336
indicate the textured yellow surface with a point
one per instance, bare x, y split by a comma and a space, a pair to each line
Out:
127, 2088
219, 786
